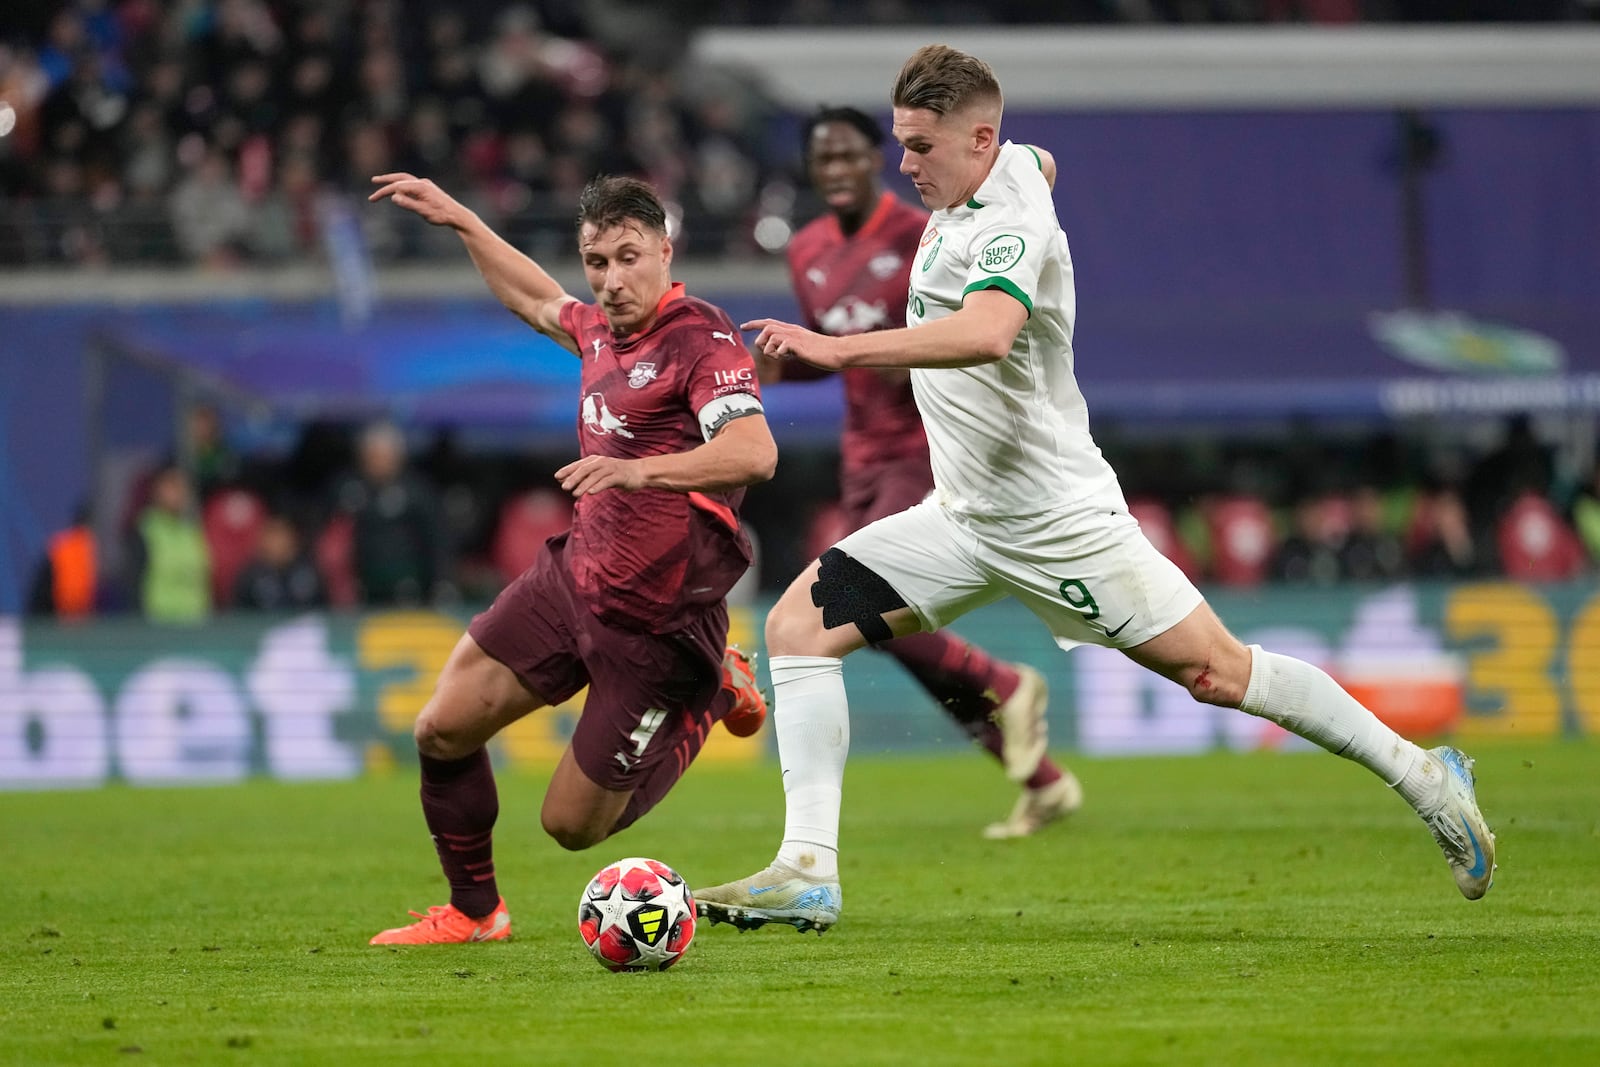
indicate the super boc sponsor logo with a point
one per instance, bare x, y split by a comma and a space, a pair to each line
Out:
1001, 254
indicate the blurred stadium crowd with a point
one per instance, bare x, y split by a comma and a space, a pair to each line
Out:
205, 132
208, 131
354, 517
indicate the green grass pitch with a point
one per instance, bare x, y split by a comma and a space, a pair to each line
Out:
1229, 909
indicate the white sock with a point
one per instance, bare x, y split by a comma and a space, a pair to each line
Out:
812, 720
1305, 701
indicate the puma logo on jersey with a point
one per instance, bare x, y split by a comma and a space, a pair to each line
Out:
718, 335
598, 345
598, 418
817, 276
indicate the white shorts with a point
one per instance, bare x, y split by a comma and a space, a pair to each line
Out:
1092, 578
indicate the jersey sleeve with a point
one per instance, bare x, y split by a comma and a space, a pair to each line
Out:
722, 383
572, 319
1010, 250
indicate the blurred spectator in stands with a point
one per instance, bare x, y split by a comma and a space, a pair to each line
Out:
212, 464
1520, 464
1439, 542
286, 224
1310, 554
399, 546
67, 583
282, 576
209, 213
1240, 535
1371, 552
171, 564
1535, 542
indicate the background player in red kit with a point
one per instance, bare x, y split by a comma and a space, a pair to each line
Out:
630, 601
849, 269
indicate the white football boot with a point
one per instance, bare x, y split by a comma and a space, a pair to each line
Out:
1024, 733
1459, 827
775, 895
1037, 808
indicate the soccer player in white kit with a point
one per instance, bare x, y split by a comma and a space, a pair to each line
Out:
1024, 506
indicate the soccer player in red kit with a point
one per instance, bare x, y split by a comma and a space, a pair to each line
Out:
630, 601
849, 268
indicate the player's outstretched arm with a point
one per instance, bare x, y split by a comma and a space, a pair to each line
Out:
981, 332
519, 283
741, 453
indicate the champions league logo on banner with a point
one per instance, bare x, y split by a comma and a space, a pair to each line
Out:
1450, 341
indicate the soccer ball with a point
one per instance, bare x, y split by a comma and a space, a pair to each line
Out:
637, 915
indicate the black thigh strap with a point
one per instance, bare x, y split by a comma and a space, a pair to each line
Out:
848, 592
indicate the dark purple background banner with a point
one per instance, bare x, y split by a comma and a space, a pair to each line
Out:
1228, 265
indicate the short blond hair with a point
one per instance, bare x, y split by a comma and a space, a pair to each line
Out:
939, 79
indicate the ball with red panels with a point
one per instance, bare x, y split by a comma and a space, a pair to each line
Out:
636, 914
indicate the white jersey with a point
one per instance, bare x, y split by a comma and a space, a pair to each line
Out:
1008, 439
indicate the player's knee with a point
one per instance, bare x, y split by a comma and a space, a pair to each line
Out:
791, 631
425, 732
1207, 691
1219, 684
435, 739
570, 834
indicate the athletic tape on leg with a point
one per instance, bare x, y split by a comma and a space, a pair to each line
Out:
848, 593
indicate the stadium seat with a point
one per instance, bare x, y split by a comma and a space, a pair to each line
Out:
1535, 542
1155, 519
335, 559
527, 521
232, 521
1242, 540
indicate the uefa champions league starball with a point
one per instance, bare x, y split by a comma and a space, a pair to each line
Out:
636, 915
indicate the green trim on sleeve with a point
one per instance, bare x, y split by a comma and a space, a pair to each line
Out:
1036, 157
1005, 285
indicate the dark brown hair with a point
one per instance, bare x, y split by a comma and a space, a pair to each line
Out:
609, 201
939, 79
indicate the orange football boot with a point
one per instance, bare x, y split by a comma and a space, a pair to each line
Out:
749, 706
445, 924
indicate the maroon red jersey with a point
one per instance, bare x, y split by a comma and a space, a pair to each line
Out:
855, 284
652, 559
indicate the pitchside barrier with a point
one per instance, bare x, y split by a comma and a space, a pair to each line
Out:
333, 695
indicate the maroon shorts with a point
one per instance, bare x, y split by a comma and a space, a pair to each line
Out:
652, 697
884, 488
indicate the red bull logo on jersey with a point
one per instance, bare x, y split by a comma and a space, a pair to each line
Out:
886, 265
598, 418
641, 375
853, 315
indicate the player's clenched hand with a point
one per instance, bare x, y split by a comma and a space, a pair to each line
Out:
421, 196
784, 340
591, 474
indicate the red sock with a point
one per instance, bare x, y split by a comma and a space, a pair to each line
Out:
963, 679
968, 684
460, 804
